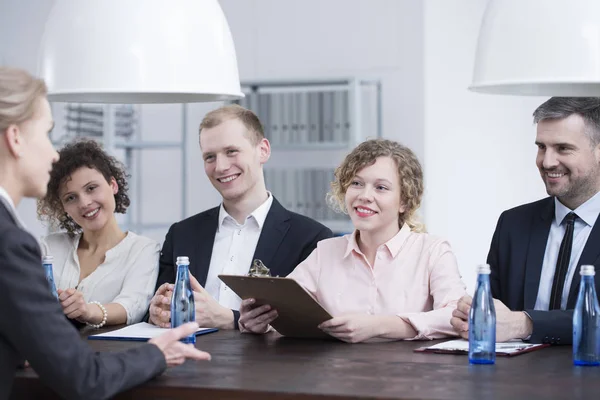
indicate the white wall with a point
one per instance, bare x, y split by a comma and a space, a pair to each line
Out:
479, 149
289, 39
21, 26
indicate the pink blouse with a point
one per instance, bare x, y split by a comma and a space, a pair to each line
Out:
415, 276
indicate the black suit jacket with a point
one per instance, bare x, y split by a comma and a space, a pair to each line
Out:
33, 327
516, 257
285, 241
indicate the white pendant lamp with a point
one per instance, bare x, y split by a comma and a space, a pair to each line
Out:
539, 47
131, 51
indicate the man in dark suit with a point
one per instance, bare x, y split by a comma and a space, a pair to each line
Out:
538, 248
249, 224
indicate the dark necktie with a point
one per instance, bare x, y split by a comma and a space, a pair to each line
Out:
562, 263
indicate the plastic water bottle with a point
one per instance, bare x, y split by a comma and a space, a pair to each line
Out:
47, 263
482, 321
182, 302
586, 321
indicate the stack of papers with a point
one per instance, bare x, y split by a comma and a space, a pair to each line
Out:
140, 332
461, 346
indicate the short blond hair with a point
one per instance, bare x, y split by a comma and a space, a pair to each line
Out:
19, 92
234, 111
409, 171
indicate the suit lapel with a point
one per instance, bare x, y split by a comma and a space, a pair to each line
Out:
205, 241
273, 231
540, 230
591, 253
11, 212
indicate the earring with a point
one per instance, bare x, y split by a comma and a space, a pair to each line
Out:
20, 154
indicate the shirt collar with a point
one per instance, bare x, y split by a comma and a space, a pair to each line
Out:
11, 206
259, 215
394, 245
587, 212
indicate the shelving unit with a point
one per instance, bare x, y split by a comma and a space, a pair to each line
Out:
311, 126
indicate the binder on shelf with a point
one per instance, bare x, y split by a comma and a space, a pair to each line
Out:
284, 137
337, 116
346, 117
326, 120
313, 117
275, 100
264, 112
294, 118
303, 118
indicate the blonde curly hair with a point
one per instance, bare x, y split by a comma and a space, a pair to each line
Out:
409, 171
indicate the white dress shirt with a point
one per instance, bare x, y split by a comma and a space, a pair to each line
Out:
587, 214
127, 276
232, 252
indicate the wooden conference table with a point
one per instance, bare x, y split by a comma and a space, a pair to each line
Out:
268, 367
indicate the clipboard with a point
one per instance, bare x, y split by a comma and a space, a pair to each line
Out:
299, 313
461, 346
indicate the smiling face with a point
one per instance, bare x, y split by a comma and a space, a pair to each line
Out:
232, 162
373, 198
37, 152
568, 162
88, 198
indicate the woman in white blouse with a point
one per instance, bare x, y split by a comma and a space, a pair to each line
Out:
104, 276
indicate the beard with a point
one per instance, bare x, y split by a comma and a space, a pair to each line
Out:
581, 188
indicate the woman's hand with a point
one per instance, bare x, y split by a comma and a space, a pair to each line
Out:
255, 319
74, 305
352, 328
176, 352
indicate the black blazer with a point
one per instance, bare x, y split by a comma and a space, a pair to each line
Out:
34, 328
285, 241
516, 257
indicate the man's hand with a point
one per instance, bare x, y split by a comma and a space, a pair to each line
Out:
353, 328
255, 319
74, 305
160, 306
509, 324
209, 313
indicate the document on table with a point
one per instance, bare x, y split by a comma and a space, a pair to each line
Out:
461, 346
140, 332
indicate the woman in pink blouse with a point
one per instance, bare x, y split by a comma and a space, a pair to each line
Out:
388, 279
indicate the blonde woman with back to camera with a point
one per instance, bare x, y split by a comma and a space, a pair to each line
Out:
388, 280
33, 326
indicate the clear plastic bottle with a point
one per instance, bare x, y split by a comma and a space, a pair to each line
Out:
482, 321
182, 302
586, 321
47, 262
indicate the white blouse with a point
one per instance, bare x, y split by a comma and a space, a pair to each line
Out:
127, 276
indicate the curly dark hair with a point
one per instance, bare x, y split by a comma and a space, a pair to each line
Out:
77, 154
